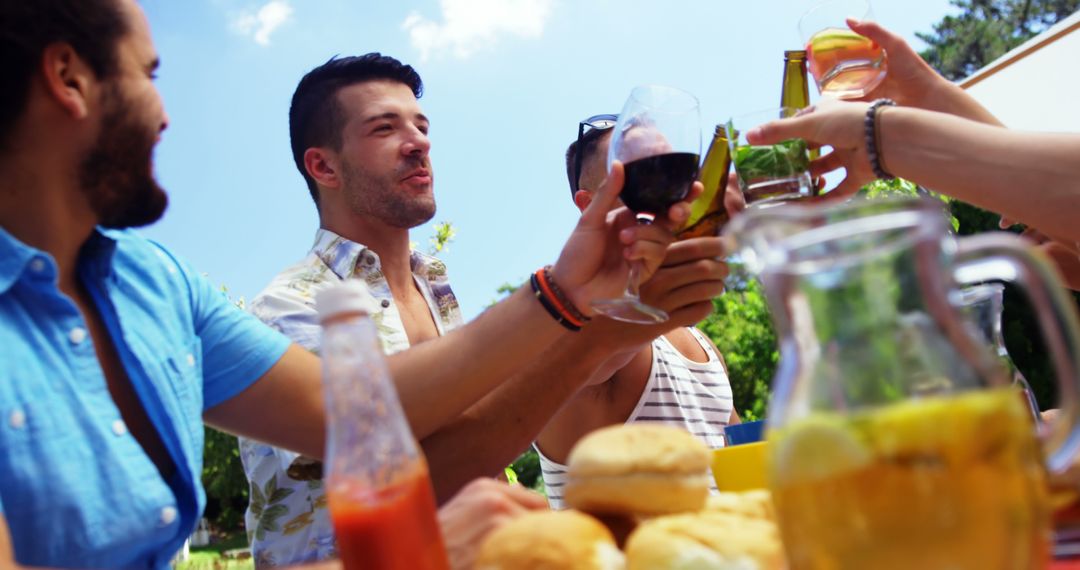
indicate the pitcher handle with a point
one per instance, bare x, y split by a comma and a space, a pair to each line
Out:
1006, 257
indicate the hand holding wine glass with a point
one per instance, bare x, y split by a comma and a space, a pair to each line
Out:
657, 139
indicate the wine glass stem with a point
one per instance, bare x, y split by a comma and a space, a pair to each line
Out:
632, 280
643, 219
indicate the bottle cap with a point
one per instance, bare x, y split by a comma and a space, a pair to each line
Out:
795, 54
349, 296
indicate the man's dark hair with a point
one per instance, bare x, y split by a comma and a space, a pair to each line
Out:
316, 117
588, 141
27, 27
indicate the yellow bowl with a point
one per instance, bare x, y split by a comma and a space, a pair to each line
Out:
741, 467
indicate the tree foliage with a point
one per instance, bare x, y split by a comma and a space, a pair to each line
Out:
984, 30
741, 328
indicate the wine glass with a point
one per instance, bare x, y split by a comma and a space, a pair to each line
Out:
844, 64
658, 140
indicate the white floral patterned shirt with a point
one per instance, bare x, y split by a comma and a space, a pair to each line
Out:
287, 519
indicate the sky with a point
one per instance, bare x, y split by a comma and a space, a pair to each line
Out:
506, 82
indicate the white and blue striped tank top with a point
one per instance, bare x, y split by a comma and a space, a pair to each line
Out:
695, 396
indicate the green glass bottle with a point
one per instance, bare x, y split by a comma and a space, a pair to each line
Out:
707, 213
795, 93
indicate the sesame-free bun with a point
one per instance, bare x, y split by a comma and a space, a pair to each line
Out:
642, 469
708, 540
755, 504
551, 540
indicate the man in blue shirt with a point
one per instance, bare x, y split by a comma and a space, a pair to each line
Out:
114, 351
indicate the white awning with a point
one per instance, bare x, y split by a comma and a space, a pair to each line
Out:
1036, 86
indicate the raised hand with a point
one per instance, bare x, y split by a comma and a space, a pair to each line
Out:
911, 82
593, 263
830, 123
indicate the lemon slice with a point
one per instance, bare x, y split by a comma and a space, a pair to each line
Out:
834, 39
818, 448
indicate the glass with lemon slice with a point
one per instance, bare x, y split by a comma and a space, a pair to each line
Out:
844, 64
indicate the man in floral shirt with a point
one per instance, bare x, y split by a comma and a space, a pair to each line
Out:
360, 140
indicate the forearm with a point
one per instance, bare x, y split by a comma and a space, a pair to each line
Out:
437, 381
1033, 178
944, 96
497, 429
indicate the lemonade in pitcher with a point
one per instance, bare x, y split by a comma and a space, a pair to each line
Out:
897, 440
951, 481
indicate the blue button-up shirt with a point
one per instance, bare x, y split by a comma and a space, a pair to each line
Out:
76, 488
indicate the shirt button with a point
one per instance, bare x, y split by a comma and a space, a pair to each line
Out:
37, 265
190, 359
119, 428
385, 303
168, 516
17, 419
77, 335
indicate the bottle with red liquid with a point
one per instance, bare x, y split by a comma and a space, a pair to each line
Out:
377, 484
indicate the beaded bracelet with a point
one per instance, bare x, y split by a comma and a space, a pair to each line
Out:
873, 140
549, 306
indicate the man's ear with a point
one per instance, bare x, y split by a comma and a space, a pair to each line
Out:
582, 199
321, 165
68, 79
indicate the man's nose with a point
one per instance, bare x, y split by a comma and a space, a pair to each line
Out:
418, 144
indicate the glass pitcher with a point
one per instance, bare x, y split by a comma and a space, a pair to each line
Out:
896, 438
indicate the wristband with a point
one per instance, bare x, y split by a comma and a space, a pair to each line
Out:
873, 138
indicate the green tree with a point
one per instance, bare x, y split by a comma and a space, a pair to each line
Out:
224, 480
984, 30
741, 328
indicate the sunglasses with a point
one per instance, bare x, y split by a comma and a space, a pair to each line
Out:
595, 122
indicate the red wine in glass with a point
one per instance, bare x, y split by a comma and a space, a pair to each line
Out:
654, 183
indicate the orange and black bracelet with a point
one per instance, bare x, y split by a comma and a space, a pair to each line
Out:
561, 299
554, 302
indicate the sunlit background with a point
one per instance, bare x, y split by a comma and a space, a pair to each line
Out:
506, 82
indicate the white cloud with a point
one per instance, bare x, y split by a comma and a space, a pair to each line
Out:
471, 25
259, 24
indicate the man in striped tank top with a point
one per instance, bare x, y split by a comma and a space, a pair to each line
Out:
674, 375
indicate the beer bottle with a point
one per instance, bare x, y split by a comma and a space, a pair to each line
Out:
795, 93
707, 212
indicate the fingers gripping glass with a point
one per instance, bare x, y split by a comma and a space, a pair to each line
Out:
658, 139
599, 122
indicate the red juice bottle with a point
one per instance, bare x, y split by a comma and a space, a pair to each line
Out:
377, 484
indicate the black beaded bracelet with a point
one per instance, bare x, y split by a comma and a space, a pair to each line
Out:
873, 151
539, 294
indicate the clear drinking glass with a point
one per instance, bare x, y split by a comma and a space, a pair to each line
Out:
844, 64
769, 173
658, 140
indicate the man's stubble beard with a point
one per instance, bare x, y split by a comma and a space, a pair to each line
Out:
116, 175
375, 196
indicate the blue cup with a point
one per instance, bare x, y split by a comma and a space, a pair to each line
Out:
746, 432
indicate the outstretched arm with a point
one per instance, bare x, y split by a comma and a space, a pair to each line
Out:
500, 426
1032, 178
440, 379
